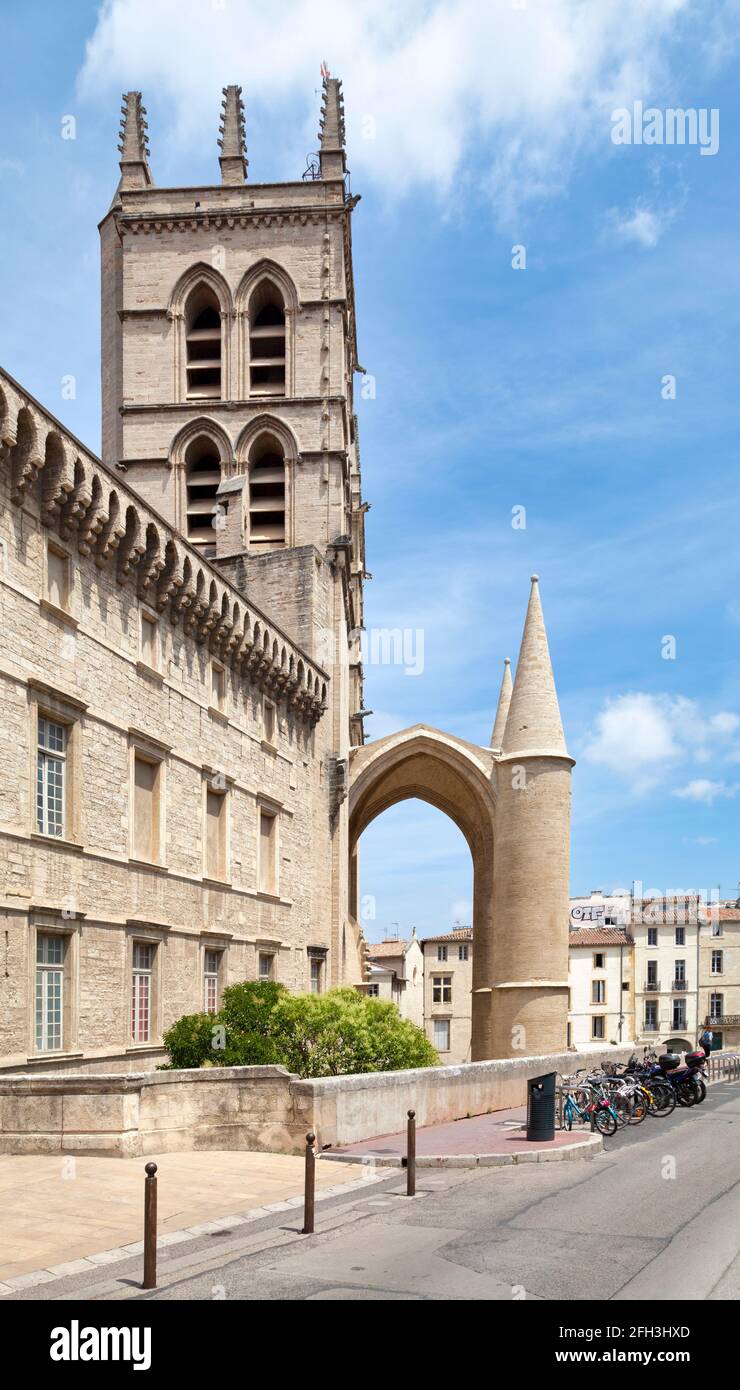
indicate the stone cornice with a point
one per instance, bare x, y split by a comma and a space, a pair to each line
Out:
88, 505
146, 222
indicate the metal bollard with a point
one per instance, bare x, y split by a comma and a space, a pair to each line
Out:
150, 1227
310, 1186
411, 1155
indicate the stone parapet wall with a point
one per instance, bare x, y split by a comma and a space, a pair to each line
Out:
264, 1109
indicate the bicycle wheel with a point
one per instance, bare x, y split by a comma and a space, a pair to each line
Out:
605, 1121
664, 1100
639, 1109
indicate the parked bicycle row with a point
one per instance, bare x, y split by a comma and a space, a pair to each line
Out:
611, 1096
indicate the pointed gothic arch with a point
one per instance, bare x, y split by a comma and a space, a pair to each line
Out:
266, 306
202, 456
202, 309
267, 454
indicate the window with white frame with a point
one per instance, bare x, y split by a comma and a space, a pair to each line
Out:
441, 989
142, 994
680, 936
651, 1015
716, 1005
266, 965
652, 936
462, 952
717, 962
51, 771
50, 952
598, 991
442, 1034
211, 962
598, 1026
373, 991
441, 953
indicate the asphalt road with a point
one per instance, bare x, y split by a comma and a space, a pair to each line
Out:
657, 1215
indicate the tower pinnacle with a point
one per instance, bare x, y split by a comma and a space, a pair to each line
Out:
533, 723
502, 709
134, 143
233, 137
331, 134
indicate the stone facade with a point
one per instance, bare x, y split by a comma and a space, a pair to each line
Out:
395, 972
187, 695
448, 993
601, 1004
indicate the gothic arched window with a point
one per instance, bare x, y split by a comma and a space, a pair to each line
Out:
267, 341
203, 345
202, 478
266, 494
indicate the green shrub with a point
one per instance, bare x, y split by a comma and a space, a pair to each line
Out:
334, 1034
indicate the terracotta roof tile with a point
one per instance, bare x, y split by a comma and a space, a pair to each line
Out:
599, 936
464, 934
387, 948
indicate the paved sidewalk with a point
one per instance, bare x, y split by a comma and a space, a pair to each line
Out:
499, 1136
57, 1210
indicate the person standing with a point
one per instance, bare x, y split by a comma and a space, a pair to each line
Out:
706, 1041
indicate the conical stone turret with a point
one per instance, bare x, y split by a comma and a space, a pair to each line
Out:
502, 709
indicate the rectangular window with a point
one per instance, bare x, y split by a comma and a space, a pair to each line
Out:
441, 989
50, 952
442, 1034
268, 721
211, 961
679, 1014
462, 952
146, 809
680, 970
267, 852
717, 928
680, 936
218, 686
215, 836
598, 1026
141, 992
51, 771
266, 965
651, 981
651, 1015
149, 644
599, 960
317, 974
441, 953
598, 991
57, 577
652, 936
373, 991
716, 1005
717, 962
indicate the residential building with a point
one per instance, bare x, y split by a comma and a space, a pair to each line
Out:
395, 971
601, 986
448, 985
719, 976
666, 968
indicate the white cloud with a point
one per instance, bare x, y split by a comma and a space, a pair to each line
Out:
702, 789
640, 737
527, 88
644, 226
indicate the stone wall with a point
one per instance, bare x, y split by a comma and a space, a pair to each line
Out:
253, 1108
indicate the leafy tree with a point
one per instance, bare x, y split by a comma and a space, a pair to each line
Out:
334, 1034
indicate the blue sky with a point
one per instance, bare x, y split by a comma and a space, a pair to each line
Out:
472, 127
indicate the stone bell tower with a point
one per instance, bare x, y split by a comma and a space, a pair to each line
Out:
228, 356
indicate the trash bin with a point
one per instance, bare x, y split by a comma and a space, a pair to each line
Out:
541, 1107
